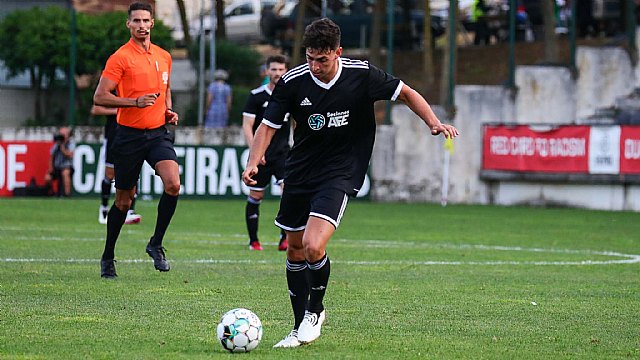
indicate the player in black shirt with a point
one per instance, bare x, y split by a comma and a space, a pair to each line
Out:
331, 99
276, 152
110, 128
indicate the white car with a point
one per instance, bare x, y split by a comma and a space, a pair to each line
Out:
242, 21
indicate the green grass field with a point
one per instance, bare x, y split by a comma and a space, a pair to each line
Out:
409, 281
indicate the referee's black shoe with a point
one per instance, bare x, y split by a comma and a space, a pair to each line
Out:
108, 269
157, 254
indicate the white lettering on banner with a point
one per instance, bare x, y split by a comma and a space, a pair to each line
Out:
83, 182
14, 166
631, 149
189, 172
97, 187
207, 164
499, 145
3, 166
567, 147
522, 146
230, 172
204, 171
543, 147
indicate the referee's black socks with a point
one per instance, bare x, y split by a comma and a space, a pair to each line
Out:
115, 220
166, 208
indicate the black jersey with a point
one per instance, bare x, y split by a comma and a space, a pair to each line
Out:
110, 127
256, 104
335, 123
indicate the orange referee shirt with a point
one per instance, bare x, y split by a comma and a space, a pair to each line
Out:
138, 72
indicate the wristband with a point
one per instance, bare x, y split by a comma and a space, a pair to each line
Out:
170, 109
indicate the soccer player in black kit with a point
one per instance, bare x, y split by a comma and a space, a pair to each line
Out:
275, 155
331, 98
110, 128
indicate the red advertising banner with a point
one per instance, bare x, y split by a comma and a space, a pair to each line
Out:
630, 150
521, 148
20, 161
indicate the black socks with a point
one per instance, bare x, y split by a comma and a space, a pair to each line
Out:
166, 208
298, 289
318, 279
252, 216
106, 191
115, 220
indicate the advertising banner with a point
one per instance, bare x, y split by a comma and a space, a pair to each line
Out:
630, 150
204, 170
522, 148
21, 162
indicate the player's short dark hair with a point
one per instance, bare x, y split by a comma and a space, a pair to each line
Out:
139, 5
280, 59
321, 34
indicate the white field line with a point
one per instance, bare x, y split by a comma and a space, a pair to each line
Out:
626, 258
634, 259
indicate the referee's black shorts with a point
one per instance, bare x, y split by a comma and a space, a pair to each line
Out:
296, 208
131, 147
273, 167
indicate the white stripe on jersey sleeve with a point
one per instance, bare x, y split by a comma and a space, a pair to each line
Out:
397, 92
351, 63
270, 124
295, 72
248, 114
258, 89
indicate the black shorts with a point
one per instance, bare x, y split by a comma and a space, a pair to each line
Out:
131, 147
328, 204
273, 167
110, 129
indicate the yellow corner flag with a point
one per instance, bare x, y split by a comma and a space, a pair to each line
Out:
448, 145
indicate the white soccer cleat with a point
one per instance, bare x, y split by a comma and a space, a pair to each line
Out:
102, 214
309, 330
289, 341
132, 218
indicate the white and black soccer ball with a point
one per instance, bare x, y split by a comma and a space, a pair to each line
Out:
239, 330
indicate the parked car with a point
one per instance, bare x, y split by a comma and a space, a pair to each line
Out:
242, 21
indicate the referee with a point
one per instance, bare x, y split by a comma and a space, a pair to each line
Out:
332, 100
139, 72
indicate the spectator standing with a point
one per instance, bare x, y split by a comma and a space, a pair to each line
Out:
140, 72
218, 101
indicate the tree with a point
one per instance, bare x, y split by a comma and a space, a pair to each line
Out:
299, 32
37, 41
428, 46
185, 23
376, 32
551, 52
221, 30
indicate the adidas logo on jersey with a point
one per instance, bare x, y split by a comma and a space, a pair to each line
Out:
305, 102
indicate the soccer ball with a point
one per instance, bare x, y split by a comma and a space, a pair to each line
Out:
239, 330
